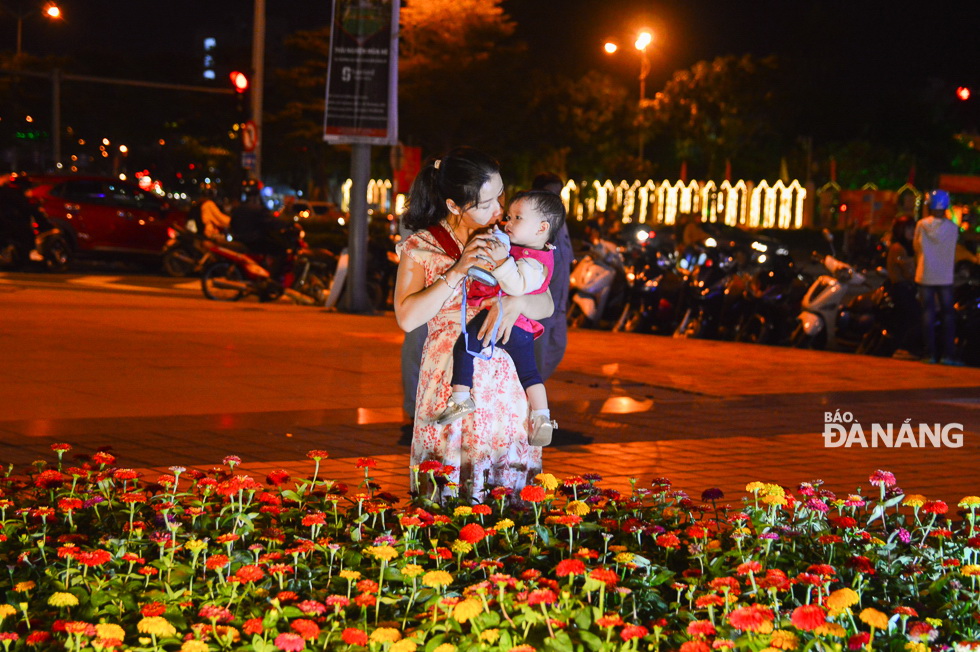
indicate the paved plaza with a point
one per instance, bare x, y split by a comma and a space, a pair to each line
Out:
180, 381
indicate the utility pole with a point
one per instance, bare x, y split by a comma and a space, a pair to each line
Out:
258, 71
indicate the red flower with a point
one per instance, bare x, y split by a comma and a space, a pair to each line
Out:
668, 540
695, 646
365, 600
250, 573
861, 564
533, 493
278, 477
809, 617
366, 463
38, 638
316, 518
701, 628
367, 586
93, 557
153, 609
568, 567
103, 457
312, 607
482, 510
308, 629
612, 620
749, 566
217, 561
253, 626
858, 641
49, 479
318, 455
721, 583
472, 533
604, 575
354, 636
290, 642
430, 466
633, 631
541, 596
750, 619
935, 507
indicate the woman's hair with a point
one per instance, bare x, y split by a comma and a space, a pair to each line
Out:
899, 226
547, 203
458, 175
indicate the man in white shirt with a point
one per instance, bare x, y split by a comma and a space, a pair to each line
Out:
935, 254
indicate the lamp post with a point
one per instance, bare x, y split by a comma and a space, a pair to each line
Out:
51, 11
642, 43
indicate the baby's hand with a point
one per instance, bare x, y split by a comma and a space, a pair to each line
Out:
498, 251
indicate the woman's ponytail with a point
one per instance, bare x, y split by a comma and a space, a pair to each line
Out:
424, 207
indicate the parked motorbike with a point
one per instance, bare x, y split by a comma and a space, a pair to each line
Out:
597, 287
967, 303
26, 233
186, 252
236, 274
653, 285
705, 290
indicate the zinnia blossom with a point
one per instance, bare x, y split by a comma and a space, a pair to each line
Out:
568, 567
385, 635
808, 617
874, 618
533, 493
62, 599
882, 478
753, 618
633, 631
437, 578
289, 642
156, 626
935, 507
784, 640
354, 636
701, 628
306, 628
841, 599
467, 609
472, 533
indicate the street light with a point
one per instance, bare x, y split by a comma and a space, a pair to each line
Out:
643, 40
51, 11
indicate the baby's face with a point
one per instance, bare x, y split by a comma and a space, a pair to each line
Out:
525, 225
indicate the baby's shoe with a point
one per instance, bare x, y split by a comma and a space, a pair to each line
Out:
455, 411
542, 428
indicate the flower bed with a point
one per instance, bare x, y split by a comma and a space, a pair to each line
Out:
99, 559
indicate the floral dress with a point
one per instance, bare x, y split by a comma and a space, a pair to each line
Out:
488, 447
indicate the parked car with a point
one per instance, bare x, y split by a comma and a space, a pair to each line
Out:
315, 211
104, 217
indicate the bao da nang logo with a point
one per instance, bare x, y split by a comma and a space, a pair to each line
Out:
841, 429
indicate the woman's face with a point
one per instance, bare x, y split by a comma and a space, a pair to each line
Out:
489, 207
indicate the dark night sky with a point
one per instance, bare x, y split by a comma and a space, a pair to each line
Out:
868, 49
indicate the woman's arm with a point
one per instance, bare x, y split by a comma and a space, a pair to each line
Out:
532, 306
415, 304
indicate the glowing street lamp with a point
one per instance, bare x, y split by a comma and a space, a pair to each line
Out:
51, 11
643, 41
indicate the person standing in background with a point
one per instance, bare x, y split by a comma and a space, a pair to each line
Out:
935, 255
549, 349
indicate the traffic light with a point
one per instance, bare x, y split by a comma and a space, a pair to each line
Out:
239, 80
963, 93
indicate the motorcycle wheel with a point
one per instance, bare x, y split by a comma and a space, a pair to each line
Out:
175, 263
692, 327
11, 257
314, 288
57, 256
218, 272
753, 330
876, 342
801, 340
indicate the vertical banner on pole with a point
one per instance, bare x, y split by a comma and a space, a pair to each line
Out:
362, 74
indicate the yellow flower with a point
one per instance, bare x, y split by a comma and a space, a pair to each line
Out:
404, 645
194, 646
914, 500
62, 599
24, 586
490, 635
754, 487
462, 547
618, 548
784, 640
463, 510
6, 610
196, 544
876, 541
971, 570
841, 599
156, 626
774, 499
830, 629
874, 618
935, 622
110, 630
387, 553
547, 481
350, 575
445, 647
577, 507
624, 558
970, 501
437, 578
773, 490
504, 524
385, 635
916, 647
467, 609
412, 570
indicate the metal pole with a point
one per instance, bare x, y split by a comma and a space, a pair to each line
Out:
644, 71
258, 72
56, 116
355, 297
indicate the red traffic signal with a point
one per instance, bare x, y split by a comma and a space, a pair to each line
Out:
239, 80
963, 93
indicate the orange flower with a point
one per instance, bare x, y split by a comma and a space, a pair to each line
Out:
533, 493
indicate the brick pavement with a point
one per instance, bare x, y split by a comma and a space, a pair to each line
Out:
183, 381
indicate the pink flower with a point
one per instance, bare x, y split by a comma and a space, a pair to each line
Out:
290, 642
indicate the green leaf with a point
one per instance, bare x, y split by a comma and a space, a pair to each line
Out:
591, 640
561, 642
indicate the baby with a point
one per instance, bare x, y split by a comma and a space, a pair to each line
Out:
533, 219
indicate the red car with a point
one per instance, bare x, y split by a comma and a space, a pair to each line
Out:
105, 217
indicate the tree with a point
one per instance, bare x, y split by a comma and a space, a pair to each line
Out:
458, 68
723, 109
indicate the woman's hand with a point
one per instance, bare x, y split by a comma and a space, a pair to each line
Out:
476, 252
536, 306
